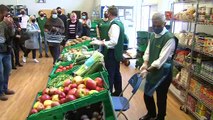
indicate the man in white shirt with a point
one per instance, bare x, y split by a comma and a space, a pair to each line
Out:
157, 68
113, 50
23, 19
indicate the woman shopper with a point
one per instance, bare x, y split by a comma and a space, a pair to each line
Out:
74, 27
41, 22
86, 23
32, 44
53, 26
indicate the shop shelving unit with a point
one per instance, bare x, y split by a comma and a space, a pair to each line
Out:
190, 68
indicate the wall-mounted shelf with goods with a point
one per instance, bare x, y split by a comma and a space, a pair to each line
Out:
194, 55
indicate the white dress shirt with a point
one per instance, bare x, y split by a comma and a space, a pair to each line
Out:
166, 52
24, 21
113, 34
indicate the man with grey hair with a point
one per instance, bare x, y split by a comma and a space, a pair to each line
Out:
157, 68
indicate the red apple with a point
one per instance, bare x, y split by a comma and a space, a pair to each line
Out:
78, 80
66, 90
85, 79
46, 91
57, 92
64, 68
40, 107
63, 100
72, 91
59, 70
33, 111
55, 104
86, 91
70, 66
45, 97
98, 88
52, 91
99, 81
80, 93
73, 85
67, 67
62, 95
91, 84
70, 98
81, 86
60, 67
67, 82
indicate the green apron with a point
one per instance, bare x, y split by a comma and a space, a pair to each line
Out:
118, 49
155, 78
103, 29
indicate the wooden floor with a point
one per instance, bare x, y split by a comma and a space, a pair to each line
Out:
31, 78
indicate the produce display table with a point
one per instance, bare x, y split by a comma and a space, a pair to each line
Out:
77, 87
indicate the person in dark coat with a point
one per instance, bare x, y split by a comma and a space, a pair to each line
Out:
74, 27
7, 30
54, 25
62, 17
86, 23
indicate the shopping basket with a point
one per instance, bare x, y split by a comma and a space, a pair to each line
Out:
54, 37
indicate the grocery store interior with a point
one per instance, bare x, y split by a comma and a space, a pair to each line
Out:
75, 85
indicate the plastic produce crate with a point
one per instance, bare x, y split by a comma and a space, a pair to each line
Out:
71, 71
92, 111
76, 46
58, 112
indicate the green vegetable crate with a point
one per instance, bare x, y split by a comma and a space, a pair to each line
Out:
58, 112
53, 74
77, 46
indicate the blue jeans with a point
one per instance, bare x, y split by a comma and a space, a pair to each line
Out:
5, 68
40, 44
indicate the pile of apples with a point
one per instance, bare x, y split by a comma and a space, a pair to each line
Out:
64, 68
71, 90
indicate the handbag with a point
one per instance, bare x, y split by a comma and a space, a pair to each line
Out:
24, 36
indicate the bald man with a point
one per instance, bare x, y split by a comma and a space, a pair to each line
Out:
157, 68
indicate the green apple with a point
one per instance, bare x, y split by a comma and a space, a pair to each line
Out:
92, 92
36, 105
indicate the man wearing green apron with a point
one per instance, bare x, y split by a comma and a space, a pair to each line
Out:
157, 68
113, 50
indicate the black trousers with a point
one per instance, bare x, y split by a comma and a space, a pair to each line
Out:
161, 91
16, 46
55, 51
28, 51
113, 68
